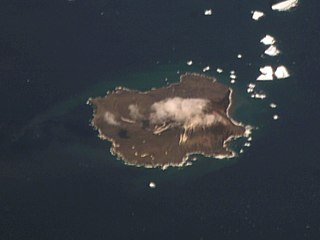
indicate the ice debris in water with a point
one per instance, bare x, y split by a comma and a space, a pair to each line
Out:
285, 5
256, 15
275, 117
152, 184
268, 40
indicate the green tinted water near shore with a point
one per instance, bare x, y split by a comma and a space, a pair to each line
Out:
91, 148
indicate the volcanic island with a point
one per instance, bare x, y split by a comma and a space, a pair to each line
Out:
164, 126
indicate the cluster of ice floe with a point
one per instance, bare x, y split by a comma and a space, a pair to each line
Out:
281, 6
232, 76
272, 50
267, 73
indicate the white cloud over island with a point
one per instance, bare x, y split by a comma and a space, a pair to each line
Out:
111, 119
189, 112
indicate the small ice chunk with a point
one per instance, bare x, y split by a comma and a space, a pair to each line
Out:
152, 184
266, 74
285, 5
233, 76
208, 12
256, 15
281, 72
189, 63
251, 85
233, 81
207, 68
249, 139
249, 90
232, 72
272, 51
273, 105
239, 56
247, 144
275, 117
268, 40
219, 70
260, 95
241, 150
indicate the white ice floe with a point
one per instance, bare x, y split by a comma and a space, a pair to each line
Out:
281, 72
251, 85
241, 150
189, 63
219, 70
268, 40
285, 5
233, 76
233, 81
249, 139
249, 90
208, 12
256, 15
275, 117
239, 56
152, 184
207, 68
273, 105
260, 95
266, 74
272, 51
247, 144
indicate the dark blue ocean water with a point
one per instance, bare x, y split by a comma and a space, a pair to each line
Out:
59, 181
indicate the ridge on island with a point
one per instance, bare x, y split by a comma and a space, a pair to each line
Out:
163, 126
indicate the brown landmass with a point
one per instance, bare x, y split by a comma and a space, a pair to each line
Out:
163, 126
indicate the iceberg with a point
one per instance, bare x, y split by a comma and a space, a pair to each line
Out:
219, 70
266, 74
207, 68
273, 105
272, 51
189, 63
208, 12
285, 5
256, 15
281, 72
268, 40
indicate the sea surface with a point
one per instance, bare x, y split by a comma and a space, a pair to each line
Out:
58, 180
